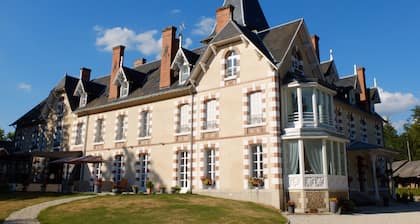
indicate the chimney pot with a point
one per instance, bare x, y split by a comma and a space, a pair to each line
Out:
85, 74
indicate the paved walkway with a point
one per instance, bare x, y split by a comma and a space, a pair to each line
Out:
397, 213
29, 214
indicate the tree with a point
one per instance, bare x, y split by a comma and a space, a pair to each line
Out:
394, 141
412, 133
6, 137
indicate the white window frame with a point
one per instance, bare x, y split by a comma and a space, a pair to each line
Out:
120, 128
184, 73
210, 159
257, 166
144, 163
99, 138
97, 170
232, 65
255, 108
210, 116
118, 168
83, 99
124, 89
183, 157
184, 123
144, 124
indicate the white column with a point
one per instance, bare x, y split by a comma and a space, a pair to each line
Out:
300, 107
301, 158
375, 180
324, 160
315, 107
332, 109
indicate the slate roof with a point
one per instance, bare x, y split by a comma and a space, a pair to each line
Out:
410, 169
355, 146
325, 67
191, 56
349, 81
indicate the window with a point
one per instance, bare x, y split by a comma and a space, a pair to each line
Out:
292, 157
144, 124
97, 170
35, 138
232, 64
292, 106
60, 108
143, 168
118, 168
79, 131
255, 108
211, 165
183, 169
352, 97
257, 164
98, 131
120, 134
184, 116
83, 99
211, 121
336, 158
184, 73
58, 133
297, 64
123, 89
378, 134
313, 156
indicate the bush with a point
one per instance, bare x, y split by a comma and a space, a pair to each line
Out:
175, 190
414, 191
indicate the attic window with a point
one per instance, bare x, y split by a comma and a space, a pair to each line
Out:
123, 89
83, 100
123, 85
297, 64
184, 73
232, 64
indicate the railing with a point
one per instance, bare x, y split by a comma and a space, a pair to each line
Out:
308, 120
255, 119
210, 125
317, 181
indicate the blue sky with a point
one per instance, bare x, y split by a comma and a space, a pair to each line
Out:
42, 40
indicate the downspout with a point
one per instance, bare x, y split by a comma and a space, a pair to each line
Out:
84, 148
193, 92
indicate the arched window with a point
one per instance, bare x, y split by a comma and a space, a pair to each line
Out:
232, 64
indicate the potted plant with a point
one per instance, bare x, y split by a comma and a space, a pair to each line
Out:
135, 189
291, 207
333, 205
176, 189
207, 181
149, 186
256, 182
98, 185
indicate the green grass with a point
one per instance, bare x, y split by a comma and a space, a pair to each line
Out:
159, 209
415, 191
14, 201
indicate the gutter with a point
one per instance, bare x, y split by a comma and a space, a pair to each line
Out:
192, 92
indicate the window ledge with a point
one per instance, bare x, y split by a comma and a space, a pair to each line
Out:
231, 78
144, 138
98, 143
120, 141
210, 130
182, 133
255, 125
79, 145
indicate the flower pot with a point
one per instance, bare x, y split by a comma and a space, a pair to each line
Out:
149, 191
291, 209
333, 207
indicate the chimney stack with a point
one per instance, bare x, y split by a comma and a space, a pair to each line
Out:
170, 46
315, 43
362, 81
117, 61
138, 62
85, 74
223, 16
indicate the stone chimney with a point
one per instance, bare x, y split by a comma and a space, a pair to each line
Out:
138, 62
85, 74
223, 16
362, 81
170, 46
315, 43
117, 62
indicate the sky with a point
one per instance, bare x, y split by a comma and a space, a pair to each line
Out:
42, 40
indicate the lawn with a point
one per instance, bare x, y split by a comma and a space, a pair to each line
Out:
10, 202
159, 209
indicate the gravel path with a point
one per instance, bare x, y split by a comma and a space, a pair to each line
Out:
29, 214
404, 214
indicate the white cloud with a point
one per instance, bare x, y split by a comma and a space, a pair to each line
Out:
204, 26
25, 87
145, 42
399, 125
175, 11
188, 42
395, 102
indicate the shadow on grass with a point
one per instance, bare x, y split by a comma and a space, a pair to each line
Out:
17, 196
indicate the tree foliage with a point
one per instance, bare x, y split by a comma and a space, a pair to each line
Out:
6, 137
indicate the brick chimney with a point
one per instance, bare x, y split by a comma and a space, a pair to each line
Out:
117, 61
315, 43
223, 16
85, 74
170, 46
362, 81
138, 62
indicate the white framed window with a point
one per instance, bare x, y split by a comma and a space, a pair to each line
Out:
123, 89
183, 169
232, 64
79, 134
257, 164
184, 73
98, 132
83, 100
184, 124
297, 64
118, 168
211, 121
145, 124
211, 165
97, 170
255, 108
143, 168
120, 133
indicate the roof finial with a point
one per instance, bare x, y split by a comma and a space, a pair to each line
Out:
375, 84
355, 69
331, 55
181, 28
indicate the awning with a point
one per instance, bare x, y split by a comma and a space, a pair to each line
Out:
63, 160
57, 155
361, 146
86, 159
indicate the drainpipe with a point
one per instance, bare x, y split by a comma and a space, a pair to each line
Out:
193, 92
84, 149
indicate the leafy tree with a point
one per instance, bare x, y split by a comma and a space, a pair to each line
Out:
394, 141
412, 133
6, 137
2, 137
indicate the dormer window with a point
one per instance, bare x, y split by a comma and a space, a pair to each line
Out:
232, 64
123, 85
352, 97
297, 64
83, 100
184, 73
123, 89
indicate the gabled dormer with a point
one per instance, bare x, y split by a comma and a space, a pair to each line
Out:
80, 90
122, 84
183, 63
